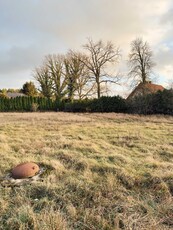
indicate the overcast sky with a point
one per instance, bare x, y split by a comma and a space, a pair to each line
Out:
31, 29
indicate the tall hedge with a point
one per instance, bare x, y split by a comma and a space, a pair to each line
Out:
163, 102
103, 104
24, 104
108, 104
158, 103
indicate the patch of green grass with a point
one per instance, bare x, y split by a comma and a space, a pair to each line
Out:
104, 171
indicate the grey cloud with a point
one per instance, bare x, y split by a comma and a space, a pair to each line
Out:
34, 28
99, 18
167, 18
164, 67
19, 58
167, 21
164, 56
14, 80
69, 20
164, 50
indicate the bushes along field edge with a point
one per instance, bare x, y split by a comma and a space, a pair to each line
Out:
158, 103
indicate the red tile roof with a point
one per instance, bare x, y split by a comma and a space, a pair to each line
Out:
145, 88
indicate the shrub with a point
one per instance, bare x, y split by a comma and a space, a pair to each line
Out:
59, 105
108, 104
140, 105
103, 104
78, 106
163, 102
34, 107
158, 103
3, 95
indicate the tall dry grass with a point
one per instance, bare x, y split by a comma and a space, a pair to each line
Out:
110, 171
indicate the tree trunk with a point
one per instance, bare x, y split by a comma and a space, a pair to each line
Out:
98, 89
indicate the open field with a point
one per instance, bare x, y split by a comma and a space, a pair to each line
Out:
110, 171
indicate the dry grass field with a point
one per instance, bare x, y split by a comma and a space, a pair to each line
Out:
109, 171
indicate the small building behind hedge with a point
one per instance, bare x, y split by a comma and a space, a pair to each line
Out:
144, 89
14, 95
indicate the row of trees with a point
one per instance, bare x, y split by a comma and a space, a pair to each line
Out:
28, 89
77, 74
80, 75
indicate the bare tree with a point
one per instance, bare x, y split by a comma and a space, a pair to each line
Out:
86, 88
99, 56
51, 77
41, 75
73, 70
55, 65
77, 75
140, 61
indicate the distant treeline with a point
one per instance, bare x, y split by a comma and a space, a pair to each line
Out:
158, 103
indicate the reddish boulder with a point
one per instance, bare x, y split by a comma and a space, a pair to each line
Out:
25, 170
